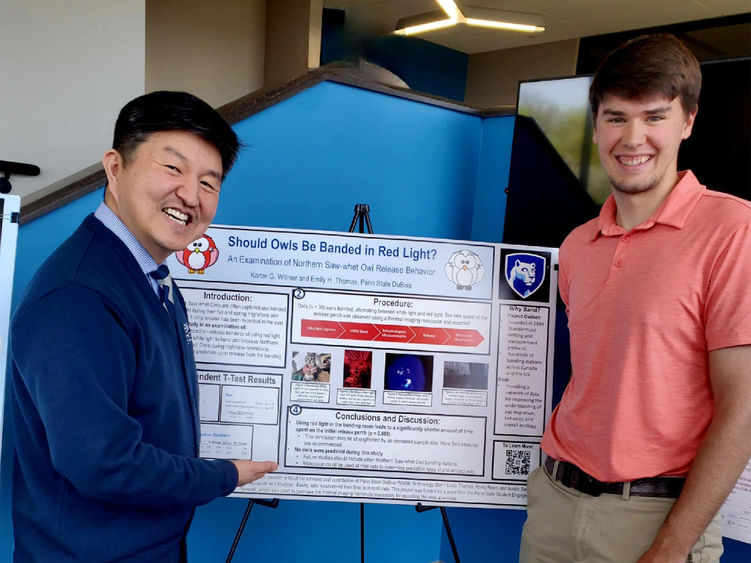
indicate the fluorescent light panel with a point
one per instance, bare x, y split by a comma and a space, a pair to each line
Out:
504, 25
525, 23
450, 7
422, 28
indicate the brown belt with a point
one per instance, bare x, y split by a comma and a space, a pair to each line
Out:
571, 476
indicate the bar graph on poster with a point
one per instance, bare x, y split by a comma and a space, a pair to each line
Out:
379, 369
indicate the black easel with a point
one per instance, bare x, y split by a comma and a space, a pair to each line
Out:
273, 503
362, 216
419, 507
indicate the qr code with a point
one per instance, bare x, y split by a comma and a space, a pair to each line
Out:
518, 462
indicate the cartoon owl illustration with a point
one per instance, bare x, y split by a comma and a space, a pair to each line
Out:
199, 255
465, 269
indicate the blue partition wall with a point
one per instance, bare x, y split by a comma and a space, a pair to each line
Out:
309, 159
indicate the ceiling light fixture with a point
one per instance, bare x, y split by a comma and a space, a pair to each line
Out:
469, 15
423, 27
450, 7
505, 25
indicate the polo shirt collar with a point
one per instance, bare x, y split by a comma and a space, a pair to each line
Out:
674, 211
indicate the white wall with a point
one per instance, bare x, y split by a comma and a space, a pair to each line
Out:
493, 77
212, 49
293, 39
66, 68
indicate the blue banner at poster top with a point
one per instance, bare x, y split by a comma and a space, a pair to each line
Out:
525, 273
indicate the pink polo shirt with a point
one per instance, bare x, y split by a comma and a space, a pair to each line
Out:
645, 307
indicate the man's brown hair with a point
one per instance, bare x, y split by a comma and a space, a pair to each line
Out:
645, 67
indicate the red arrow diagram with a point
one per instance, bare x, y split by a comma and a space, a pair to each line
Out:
395, 333
429, 335
359, 331
321, 329
391, 333
464, 337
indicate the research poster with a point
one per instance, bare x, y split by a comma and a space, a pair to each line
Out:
378, 369
10, 206
736, 512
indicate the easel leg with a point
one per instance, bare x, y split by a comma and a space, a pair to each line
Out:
449, 534
240, 530
273, 503
362, 532
419, 507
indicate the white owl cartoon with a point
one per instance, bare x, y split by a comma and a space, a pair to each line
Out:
465, 269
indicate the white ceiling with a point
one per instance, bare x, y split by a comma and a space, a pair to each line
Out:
563, 19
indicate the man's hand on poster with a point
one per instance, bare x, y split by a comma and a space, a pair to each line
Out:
249, 471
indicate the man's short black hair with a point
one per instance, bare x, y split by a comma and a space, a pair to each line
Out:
173, 111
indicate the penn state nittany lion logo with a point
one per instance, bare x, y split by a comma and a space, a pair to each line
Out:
525, 273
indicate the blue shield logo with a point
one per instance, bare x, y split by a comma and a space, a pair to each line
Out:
525, 272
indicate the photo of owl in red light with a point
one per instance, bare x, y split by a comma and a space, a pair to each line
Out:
199, 255
357, 368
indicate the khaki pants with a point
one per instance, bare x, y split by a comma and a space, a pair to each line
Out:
564, 525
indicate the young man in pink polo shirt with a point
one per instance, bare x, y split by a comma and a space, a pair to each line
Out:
654, 427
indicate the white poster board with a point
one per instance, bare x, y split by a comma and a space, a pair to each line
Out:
736, 512
10, 207
379, 369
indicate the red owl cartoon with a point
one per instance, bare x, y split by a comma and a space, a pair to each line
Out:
199, 255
